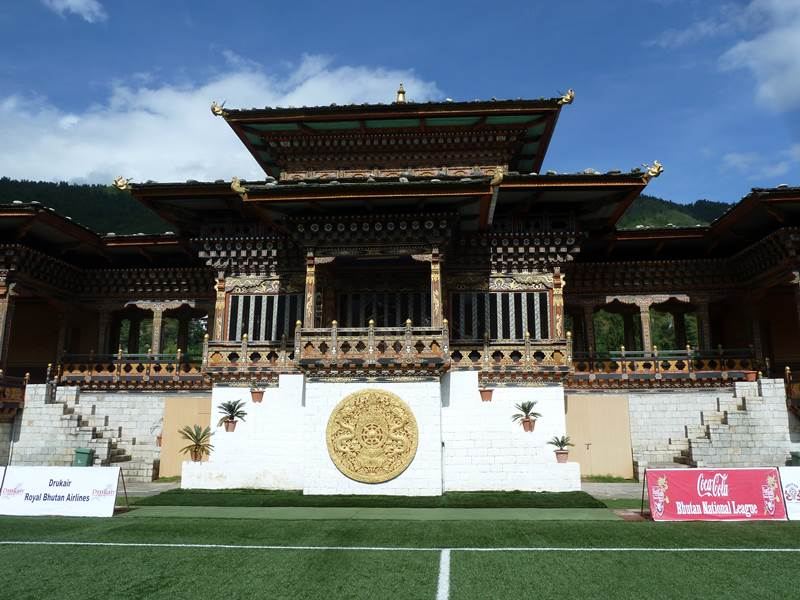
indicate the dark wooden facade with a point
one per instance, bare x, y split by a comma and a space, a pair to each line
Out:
400, 241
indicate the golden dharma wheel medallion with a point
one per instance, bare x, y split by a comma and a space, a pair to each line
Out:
372, 436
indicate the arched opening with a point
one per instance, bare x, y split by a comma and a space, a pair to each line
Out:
674, 325
615, 325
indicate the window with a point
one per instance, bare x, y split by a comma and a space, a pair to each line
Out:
263, 318
504, 315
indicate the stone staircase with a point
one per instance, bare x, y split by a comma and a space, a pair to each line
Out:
742, 432
59, 424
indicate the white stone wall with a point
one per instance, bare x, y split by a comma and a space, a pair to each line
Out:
282, 443
423, 477
265, 451
485, 450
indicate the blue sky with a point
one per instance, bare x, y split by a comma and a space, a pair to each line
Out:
90, 89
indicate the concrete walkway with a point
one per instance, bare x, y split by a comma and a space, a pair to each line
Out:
382, 514
149, 488
612, 490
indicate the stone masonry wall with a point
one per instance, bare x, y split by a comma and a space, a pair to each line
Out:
120, 427
715, 428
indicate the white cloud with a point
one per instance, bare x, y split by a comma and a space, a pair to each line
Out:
761, 167
768, 45
91, 10
772, 55
167, 132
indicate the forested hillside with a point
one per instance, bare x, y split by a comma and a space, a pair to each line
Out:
104, 208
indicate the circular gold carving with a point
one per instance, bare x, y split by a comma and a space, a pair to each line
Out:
372, 436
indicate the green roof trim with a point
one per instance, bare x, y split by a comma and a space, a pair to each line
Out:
391, 123
525, 166
332, 125
511, 119
536, 130
253, 138
451, 121
274, 126
529, 149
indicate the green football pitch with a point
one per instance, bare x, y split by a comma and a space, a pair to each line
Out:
175, 557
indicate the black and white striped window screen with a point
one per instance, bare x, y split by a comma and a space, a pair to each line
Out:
387, 309
264, 318
504, 315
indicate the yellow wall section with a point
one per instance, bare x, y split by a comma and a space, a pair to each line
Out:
600, 429
180, 411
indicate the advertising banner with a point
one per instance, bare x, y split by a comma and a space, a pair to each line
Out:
715, 494
59, 491
790, 480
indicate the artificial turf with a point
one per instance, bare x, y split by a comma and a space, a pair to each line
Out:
79, 572
264, 498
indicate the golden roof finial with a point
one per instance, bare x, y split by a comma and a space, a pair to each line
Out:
653, 170
237, 186
218, 110
121, 183
401, 95
567, 98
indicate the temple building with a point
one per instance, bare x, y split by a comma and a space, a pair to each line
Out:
403, 277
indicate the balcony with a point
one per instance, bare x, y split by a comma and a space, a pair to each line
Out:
523, 363
132, 372
245, 361
372, 351
663, 369
12, 395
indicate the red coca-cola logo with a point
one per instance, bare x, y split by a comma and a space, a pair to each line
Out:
715, 487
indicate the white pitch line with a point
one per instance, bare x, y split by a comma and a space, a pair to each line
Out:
387, 548
443, 590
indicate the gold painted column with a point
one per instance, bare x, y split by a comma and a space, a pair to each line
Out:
219, 310
436, 290
644, 314
558, 304
158, 314
310, 297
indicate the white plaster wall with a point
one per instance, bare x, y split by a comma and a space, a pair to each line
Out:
265, 451
485, 450
423, 477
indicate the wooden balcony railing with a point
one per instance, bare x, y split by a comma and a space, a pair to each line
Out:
258, 362
372, 348
132, 371
665, 366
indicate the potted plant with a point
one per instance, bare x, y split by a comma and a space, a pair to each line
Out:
561, 444
527, 416
231, 411
256, 395
199, 441
486, 394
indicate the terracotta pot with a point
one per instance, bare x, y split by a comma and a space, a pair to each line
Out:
751, 375
196, 455
257, 395
230, 426
562, 456
528, 424
486, 394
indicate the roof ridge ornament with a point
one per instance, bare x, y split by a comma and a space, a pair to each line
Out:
400, 98
218, 110
652, 171
236, 186
122, 183
497, 178
567, 98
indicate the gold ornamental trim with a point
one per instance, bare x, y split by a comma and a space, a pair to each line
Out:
372, 436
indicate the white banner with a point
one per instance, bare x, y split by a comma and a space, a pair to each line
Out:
63, 491
790, 481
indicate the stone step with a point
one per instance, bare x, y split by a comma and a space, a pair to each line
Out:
684, 460
696, 431
714, 418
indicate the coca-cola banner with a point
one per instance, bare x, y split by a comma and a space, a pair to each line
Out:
790, 479
715, 494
